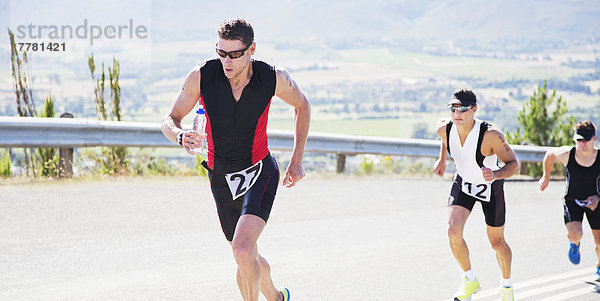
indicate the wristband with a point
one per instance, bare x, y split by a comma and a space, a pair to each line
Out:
180, 138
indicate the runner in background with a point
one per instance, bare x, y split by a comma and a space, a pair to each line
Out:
583, 187
476, 148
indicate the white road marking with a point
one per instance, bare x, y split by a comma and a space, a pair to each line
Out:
548, 284
570, 294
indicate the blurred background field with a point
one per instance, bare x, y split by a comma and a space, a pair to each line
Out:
374, 68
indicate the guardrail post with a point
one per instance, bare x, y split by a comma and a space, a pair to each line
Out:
65, 157
523, 170
340, 163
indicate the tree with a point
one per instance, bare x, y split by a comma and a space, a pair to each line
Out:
541, 125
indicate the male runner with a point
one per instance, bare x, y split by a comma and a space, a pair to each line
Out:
476, 147
583, 186
236, 92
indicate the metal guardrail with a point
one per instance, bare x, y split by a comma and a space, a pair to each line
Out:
67, 132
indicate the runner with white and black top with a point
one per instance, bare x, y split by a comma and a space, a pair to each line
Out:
582, 165
476, 148
469, 185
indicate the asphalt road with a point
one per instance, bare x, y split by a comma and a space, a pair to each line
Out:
329, 238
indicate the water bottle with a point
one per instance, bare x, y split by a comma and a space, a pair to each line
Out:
199, 125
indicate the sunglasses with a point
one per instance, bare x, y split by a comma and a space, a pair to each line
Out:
232, 54
460, 109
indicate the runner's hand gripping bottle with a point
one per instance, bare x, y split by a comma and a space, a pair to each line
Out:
199, 126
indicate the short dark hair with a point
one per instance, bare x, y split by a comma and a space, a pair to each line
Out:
464, 97
585, 125
237, 29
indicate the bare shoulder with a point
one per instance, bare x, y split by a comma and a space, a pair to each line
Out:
493, 133
561, 152
195, 72
192, 80
280, 70
494, 142
281, 74
441, 127
285, 83
563, 149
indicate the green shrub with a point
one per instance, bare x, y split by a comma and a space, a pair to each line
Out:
148, 165
367, 166
107, 161
48, 157
115, 161
200, 170
5, 163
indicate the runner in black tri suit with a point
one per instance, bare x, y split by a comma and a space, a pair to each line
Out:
236, 92
583, 187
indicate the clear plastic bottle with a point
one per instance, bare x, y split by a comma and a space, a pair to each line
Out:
199, 126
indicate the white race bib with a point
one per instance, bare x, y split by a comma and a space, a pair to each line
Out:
480, 191
240, 182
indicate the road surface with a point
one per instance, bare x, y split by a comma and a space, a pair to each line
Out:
329, 238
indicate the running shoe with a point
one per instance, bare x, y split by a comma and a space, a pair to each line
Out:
507, 294
574, 255
466, 289
598, 272
285, 293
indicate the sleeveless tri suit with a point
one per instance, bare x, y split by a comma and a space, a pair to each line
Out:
469, 185
582, 182
243, 174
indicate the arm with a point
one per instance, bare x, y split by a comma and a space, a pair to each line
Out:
182, 104
288, 91
593, 202
440, 163
560, 154
495, 139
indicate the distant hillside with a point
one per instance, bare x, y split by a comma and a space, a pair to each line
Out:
418, 47
337, 23
486, 25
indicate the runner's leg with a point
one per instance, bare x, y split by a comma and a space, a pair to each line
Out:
267, 288
503, 252
247, 231
574, 231
456, 224
596, 234
238, 276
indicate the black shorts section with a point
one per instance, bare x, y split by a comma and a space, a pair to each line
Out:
494, 211
257, 201
574, 213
